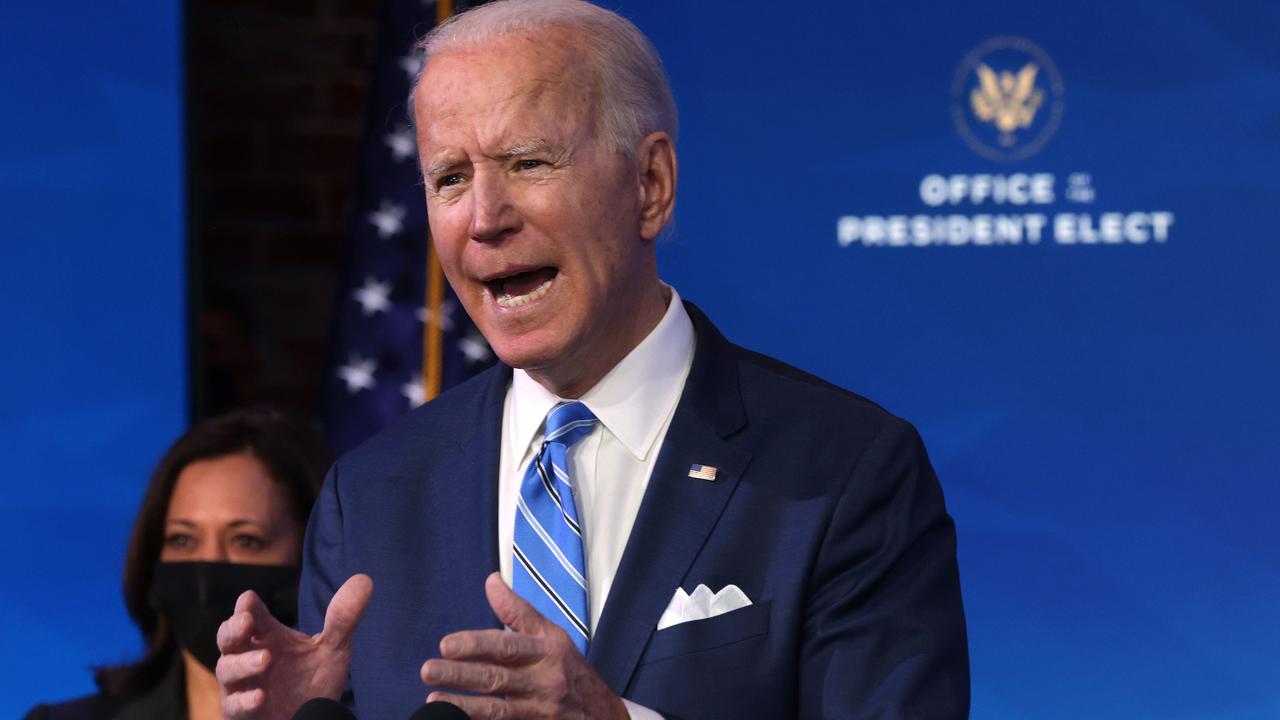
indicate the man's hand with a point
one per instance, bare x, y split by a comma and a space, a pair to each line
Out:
267, 670
535, 672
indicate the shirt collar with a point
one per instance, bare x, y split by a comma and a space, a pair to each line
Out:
633, 400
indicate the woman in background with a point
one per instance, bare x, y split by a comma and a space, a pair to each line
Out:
224, 512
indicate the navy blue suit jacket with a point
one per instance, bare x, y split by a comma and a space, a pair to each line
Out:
824, 511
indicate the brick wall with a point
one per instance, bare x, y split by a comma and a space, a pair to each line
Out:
275, 96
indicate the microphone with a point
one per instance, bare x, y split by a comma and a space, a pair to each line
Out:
323, 709
439, 710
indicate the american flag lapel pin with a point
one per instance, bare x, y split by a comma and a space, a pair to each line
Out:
702, 472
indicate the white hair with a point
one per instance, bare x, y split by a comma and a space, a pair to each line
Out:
635, 95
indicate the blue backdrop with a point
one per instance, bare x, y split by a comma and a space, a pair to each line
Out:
1100, 403
92, 306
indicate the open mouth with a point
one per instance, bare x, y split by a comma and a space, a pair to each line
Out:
521, 288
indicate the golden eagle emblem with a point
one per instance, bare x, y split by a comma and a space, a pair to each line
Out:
1007, 100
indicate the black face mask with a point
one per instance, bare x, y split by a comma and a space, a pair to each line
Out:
197, 597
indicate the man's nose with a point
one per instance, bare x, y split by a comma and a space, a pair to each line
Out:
492, 213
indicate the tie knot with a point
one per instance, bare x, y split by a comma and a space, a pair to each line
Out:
568, 422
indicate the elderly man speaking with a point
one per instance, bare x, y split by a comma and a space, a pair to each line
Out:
629, 516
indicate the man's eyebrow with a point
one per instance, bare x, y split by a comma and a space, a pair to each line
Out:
524, 148
528, 147
441, 167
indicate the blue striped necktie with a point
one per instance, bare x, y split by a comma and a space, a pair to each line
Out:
548, 569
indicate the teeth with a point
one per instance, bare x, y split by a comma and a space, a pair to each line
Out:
507, 301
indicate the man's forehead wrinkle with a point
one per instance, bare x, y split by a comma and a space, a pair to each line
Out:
532, 94
528, 120
493, 103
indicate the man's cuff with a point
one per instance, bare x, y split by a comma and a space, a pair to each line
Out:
640, 712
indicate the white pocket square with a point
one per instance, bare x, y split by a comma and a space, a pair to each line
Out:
702, 604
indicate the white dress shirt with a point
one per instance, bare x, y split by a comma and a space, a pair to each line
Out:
611, 465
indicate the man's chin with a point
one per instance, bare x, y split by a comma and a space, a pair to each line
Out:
526, 353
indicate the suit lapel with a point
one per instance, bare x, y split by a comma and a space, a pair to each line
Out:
678, 512
474, 484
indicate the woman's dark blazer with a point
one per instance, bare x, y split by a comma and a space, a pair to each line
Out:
165, 701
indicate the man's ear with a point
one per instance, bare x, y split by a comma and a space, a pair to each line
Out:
656, 165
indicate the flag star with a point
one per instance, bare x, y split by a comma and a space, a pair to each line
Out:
401, 143
414, 391
411, 64
444, 317
374, 297
388, 218
474, 348
358, 374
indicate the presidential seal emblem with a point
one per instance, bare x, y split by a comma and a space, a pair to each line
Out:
1006, 99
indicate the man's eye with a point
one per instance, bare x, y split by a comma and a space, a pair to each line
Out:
529, 164
450, 180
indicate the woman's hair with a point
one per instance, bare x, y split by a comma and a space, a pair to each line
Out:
295, 457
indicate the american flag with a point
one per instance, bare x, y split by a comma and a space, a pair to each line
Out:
383, 313
702, 472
